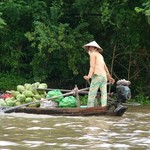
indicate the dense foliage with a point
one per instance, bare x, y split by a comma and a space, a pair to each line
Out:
41, 40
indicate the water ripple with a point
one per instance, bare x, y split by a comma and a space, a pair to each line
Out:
8, 143
28, 131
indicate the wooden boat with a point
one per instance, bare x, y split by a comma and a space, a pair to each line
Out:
114, 108
91, 111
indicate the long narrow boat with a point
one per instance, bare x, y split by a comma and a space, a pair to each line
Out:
91, 111
114, 108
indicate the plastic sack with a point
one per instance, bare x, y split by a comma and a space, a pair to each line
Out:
68, 101
48, 104
55, 93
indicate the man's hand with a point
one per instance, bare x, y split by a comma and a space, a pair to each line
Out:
86, 77
111, 80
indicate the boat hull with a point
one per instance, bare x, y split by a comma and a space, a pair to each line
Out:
92, 111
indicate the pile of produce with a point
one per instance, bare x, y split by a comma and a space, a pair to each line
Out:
32, 92
24, 94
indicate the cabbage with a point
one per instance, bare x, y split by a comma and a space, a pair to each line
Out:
28, 93
37, 96
20, 88
43, 86
15, 93
36, 85
18, 103
28, 86
21, 97
2, 103
10, 101
33, 89
28, 100
43, 95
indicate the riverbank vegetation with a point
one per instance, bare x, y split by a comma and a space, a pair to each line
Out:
41, 40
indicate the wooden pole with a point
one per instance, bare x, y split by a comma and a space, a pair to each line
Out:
77, 96
112, 65
50, 89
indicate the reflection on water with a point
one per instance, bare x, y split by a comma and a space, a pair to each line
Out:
27, 131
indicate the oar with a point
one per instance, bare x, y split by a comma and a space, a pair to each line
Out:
37, 101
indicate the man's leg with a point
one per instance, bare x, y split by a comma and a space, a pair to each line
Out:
103, 89
95, 84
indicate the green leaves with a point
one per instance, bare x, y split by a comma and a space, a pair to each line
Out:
43, 39
138, 10
47, 38
56, 11
106, 12
58, 42
2, 22
145, 10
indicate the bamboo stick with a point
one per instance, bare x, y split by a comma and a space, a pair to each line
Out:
51, 89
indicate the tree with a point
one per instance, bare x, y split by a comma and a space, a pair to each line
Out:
42, 40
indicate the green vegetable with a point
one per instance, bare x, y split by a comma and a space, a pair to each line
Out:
55, 93
28, 86
37, 96
18, 103
28, 100
20, 88
3, 103
15, 93
34, 91
25, 94
36, 85
10, 101
28, 93
43, 86
21, 97
68, 101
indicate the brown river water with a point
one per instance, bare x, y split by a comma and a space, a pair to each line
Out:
42, 132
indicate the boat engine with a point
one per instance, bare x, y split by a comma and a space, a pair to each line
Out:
123, 91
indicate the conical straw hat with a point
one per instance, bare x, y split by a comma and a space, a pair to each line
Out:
94, 44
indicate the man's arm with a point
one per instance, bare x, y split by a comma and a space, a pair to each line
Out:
109, 77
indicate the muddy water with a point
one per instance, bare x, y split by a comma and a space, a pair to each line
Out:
42, 132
